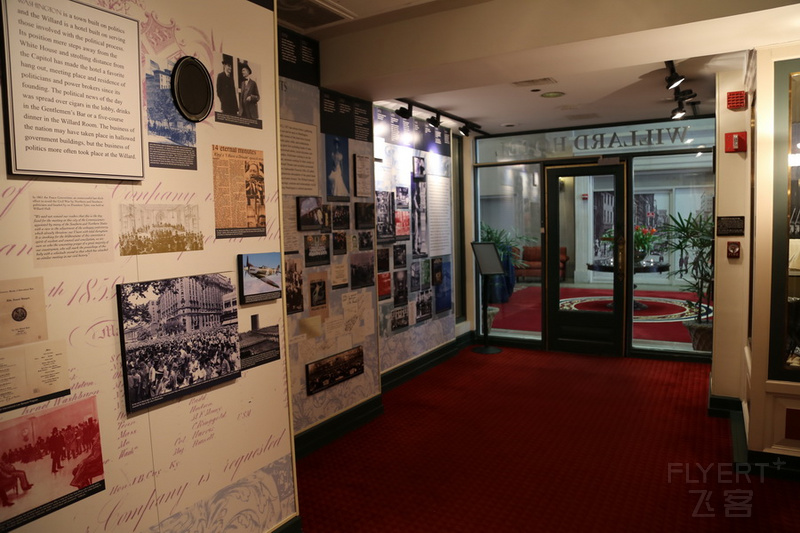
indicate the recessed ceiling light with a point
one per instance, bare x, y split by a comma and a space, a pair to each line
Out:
536, 90
552, 94
508, 125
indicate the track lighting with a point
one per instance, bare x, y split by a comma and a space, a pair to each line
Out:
464, 130
674, 79
405, 112
435, 121
684, 95
678, 112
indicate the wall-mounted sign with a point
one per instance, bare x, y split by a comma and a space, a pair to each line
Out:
730, 226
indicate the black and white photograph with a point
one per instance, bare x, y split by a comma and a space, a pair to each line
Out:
317, 249
401, 198
172, 138
179, 335
341, 216
365, 240
365, 215
362, 270
419, 170
318, 293
294, 284
50, 459
419, 218
309, 213
259, 346
399, 318
259, 277
443, 296
400, 253
384, 216
400, 287
414, 273
334, 369
159, 229
384, 260
339, 242
325, 225
424, 305
337, 168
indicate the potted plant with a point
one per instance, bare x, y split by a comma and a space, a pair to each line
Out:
501, 287
692, 238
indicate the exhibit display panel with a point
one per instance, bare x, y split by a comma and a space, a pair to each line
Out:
329, 239
140, 391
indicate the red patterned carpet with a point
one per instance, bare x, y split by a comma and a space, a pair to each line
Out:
530, 441
661, 320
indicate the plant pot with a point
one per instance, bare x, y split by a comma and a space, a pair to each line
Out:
702, 334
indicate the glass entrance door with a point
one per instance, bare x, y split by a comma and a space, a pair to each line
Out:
588, 259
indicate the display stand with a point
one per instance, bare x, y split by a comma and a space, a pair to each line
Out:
489, 264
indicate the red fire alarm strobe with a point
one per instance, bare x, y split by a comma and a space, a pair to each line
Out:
736, 142
737, 100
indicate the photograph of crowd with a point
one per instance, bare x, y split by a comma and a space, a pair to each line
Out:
334, 369
341, 216
48, 460
178, 335
159, 228
317, 249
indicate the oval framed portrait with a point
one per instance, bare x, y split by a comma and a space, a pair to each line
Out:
192, 89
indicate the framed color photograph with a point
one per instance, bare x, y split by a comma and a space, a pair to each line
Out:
178, 335
259, 277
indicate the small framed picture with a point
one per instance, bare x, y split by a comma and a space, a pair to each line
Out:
419, 171
259, 277
341, 216
334, 369
309, 213
363, 173
365, 215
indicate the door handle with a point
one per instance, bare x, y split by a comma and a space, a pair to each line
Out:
619, 261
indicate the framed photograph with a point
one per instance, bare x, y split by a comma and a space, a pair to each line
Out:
401, 198
425, 274
339, 242
419, 218
414, 273
293, 271
309, 213
259, 277
337, 168
399, 318
424, 305
178, 335
325, 225
384, 261
402, 225
341, 216
365, 240
362, 165
436, 267
419, 171
384, 216
259, 346
365, 215
317, 249
400, 284
332, 370
384, 285
362, 270
443, 296
400, 255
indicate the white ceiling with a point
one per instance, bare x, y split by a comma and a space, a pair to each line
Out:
616, 78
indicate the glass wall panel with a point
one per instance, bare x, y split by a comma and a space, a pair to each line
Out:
510, 214
673, 231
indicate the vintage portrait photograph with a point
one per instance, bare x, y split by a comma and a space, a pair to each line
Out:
400, 253
294, 284
337, 168
49, 459
384, 216
365, 240
334, 369
400, 284
419, 171
419, 218
179, 335
259, 277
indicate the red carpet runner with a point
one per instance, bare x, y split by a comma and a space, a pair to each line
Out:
527, 441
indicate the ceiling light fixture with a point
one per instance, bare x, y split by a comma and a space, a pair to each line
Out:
674, 79
684, 95
464, 130
469, 126
435, 121
404, 112
678, 112
552, 94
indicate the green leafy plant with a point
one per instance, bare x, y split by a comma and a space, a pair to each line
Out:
505, 241
644, 238
692, 238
